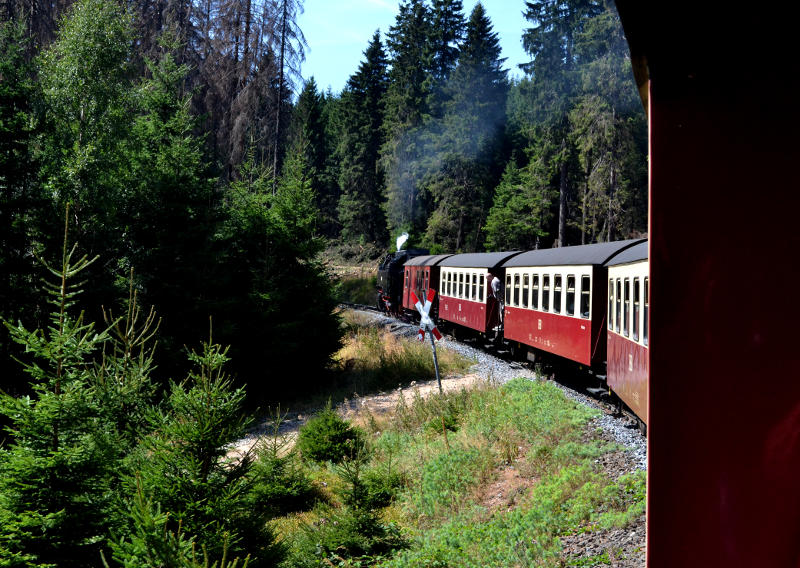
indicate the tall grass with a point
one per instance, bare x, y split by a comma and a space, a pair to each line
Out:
374, 359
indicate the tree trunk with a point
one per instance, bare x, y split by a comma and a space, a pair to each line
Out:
562, 197
585, 197
280, 96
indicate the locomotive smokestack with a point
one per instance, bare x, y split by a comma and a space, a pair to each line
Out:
401, 240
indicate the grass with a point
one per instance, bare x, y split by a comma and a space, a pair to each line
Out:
418, 494
357, 289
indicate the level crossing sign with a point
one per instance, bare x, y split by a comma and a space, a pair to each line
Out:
426, 324
425, 321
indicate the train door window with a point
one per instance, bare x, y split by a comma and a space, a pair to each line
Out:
646, 309
626, 309
460, 284
516, 291
546, 293
618, 311
636, 292
526, 290
557, 294
586, 294
425, 282
508, 288
571, 295
535, 292
408, 270
610, 303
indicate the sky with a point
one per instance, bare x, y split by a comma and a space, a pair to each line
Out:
338, 31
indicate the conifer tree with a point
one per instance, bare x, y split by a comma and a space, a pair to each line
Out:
520, 213
407, 109
24, 207
309, 134
471, 140
551, 43
56, 473
183, 467
360, 177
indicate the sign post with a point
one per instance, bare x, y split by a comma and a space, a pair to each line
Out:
426, 324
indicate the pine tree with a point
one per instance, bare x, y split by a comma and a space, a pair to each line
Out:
520, 213
360, 177
308, 134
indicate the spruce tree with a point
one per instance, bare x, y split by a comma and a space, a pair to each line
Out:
56, 474
24, 207
360, 177
407, 110
471, 140
183, 470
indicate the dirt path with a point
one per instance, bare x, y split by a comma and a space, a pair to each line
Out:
378, 404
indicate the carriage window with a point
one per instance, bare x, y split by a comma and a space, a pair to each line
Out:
474, 286
407, 271
516, 291
507, 297
557, 294
570, 295
448, 284
586, 292
646, 309
460, 284
610, 303
626, 307
535, 292
481, 288
546, 293
425, 282
636, 311
526, 286
618, 312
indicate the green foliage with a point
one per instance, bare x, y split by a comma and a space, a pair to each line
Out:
520, 214
359, 290
360, 139
183, 464
447, 478
56, 473
327, 437
569, 494
280, 483
152, 543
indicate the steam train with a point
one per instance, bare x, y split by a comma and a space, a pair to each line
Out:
587, 305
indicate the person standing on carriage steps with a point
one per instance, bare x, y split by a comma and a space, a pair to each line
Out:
496, 291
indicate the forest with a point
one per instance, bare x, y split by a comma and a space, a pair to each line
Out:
171, 184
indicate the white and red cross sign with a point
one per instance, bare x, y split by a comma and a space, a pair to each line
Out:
425, 322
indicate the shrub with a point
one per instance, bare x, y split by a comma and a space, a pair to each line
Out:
327, 437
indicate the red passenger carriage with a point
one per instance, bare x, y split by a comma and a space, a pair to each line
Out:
628, 329
555, 300
464, 297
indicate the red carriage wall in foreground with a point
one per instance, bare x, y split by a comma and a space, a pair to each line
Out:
721, 85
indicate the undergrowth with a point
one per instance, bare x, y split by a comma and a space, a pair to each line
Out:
412, 497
